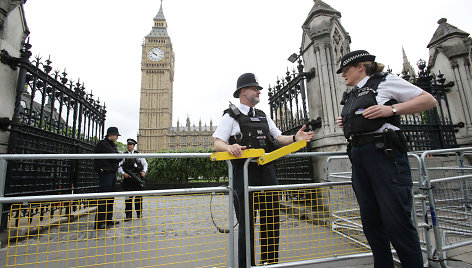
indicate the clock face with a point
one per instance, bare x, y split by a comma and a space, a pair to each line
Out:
155, 54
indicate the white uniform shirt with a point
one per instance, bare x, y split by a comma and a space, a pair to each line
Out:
142, 160
396, 88
228, 126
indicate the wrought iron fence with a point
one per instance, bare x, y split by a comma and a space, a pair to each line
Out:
52, 114
288, 109
432, 129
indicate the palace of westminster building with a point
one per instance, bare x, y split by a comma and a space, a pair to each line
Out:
155, 112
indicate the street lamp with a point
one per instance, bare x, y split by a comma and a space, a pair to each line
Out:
293, 58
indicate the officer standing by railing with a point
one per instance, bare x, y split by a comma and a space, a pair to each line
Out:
133, 171
106, 169
381, 175
246, 128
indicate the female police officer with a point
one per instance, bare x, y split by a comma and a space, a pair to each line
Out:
381, 176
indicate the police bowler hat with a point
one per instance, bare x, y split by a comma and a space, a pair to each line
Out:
113, 131
355, 57
246, 80
131, 141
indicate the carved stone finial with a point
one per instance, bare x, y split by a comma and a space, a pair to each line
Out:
442, 20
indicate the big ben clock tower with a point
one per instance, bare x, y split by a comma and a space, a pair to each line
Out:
157, 77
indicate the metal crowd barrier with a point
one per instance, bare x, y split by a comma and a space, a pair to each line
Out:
442, 191
309, 231
416, 195
175, 228
319, 222
449, 193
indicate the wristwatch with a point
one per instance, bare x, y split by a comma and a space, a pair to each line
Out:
394, 110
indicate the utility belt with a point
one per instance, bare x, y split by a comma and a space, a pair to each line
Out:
387, 140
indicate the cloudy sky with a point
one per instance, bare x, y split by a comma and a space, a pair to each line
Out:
215, 41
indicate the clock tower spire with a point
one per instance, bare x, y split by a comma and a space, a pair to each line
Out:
157, 77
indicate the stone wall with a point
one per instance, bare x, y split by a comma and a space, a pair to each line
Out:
12, 33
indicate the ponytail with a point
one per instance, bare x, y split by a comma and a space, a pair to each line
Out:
373, 67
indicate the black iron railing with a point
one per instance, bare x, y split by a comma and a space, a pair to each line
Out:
52, 115
432, 129
288, 109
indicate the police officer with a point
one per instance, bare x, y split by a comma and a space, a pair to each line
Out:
133, 171
106, 169
242, 128
381, 176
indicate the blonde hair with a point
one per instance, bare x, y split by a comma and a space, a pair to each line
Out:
373, 67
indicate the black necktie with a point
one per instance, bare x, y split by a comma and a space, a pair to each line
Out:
251, 112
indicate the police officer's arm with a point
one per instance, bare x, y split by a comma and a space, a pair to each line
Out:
420, 103
234, 149
121, 171
145, 166
301, 135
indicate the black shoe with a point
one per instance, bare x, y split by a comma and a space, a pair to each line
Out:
100, 226
112, 223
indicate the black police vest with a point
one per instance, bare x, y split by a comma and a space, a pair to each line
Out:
255, 133
133, 165
359, 99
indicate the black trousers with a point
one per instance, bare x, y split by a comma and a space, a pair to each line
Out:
107, 182
131, 185
138, 207
382, 185
268, 207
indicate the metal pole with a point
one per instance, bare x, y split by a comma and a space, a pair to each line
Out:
231, 215
246, 212
424, 208
3, 177
432, 208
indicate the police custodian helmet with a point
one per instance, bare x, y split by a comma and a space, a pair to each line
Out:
355, 57
246, 80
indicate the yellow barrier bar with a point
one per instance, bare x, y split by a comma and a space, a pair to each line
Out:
281, 152
220, 156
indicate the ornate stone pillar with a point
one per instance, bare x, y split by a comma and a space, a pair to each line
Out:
324, 42
450, 53
13, 32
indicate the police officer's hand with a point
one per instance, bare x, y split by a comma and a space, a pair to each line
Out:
339, 120
302, 135
235, 149
126, 176
377, 111
143, 174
